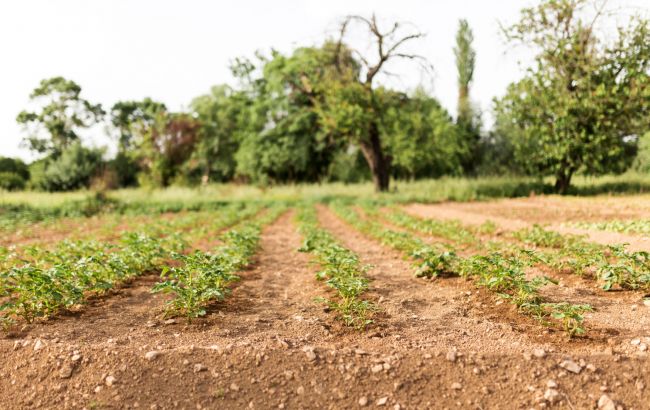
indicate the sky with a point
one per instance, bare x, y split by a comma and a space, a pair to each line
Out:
173, 51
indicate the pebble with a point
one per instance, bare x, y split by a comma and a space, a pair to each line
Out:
309, 352
635, 342
363, 401
605, 403
456, 386
552, 396
451, 356
571, 366
539, 353
234, 387
643, 347
551, 384
152, 355
377, 368
300, 391
199, 367
66, 371
76, 358
646, 302
110, 380
38, 345
382, 401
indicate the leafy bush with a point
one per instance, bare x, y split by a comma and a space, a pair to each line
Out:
14, 166
72, 170
11, 181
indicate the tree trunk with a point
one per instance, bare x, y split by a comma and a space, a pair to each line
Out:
563, 181
378, 162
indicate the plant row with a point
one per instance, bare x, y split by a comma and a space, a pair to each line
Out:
341, 270
502, 274
638, 226
40, 280
201, 278
613, 265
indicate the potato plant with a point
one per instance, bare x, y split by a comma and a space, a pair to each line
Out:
502, 274
341, 271
43, 281
204, 277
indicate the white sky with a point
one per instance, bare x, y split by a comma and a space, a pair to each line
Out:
173, 51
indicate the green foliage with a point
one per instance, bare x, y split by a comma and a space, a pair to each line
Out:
204, 277
642, 160
62, 115
639, 226
14, 166
500, 273
280, 134
10, 181
341, 271
73, 169
468, 119
583, 99
420, 136
60, 278
223, 117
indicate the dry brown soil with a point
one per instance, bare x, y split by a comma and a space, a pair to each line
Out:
433, 344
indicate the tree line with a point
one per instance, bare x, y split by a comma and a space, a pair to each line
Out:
319, 113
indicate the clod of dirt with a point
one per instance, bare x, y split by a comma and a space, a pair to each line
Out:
66, 371
552, 396
571, 366
309, 352
605, 403
152, 355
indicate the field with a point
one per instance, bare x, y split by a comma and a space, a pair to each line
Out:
286, 298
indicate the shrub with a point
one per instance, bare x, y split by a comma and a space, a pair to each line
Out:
72, 170
11, 181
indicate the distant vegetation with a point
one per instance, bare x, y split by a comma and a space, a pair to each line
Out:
319, 114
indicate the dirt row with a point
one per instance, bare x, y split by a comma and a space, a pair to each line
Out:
434, 344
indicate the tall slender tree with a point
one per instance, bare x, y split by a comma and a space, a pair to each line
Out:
467, 120
465, 61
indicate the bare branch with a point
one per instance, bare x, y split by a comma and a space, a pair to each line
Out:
386, 47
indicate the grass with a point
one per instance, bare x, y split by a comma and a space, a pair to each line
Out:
428, 190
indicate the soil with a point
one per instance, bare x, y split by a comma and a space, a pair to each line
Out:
433, 344
507, 218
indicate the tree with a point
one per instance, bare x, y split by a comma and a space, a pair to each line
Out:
420, 136
132, 121
222, 114
166, 146
467, 120
14, 174
351, 107
585, 99
465, 61
281, 136
62, 115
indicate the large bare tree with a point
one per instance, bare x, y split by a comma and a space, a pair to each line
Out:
387, 45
